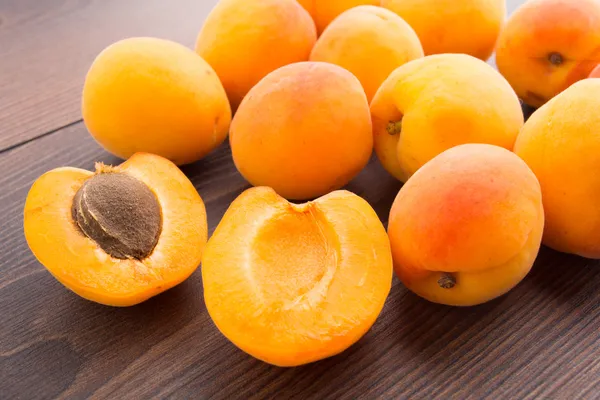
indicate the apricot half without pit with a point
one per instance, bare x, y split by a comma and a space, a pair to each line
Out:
120, 235
295, 283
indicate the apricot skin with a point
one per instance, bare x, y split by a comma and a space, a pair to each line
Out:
451, 26
304, 130
370, 42
475, 212
77, 261
547, 45
561, 144
441, 102
156, 96
292, 284
325, 11
244, 41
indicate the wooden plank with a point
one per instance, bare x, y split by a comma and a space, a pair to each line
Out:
539, 341
46, 48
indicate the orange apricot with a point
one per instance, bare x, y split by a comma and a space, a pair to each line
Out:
370, 42
434, 103
547, 45
325, 11
450, 26
561, 144
467, 227
155, 96
120, 235
245, 40
595, 72
291, 284
304, 130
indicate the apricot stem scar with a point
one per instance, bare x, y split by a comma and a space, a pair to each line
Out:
394, 127
555, 58
447, 281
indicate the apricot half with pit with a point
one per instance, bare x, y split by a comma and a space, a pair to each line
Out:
295, 283
120, 235
467, 227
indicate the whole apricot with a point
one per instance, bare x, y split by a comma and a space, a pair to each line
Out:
245, 40
325, 11
304, 130
156, 96
295, 283
450, 26
370, 42
120, 235
434, 103
561, 144
547, 45
467, 227
595, 72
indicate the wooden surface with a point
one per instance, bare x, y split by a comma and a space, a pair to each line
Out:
542, 340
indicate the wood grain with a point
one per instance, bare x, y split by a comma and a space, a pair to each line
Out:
47, 46
541, 341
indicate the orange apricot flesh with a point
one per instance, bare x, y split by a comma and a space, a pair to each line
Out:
71, 226
561, 143
292, 284
370, 42
547, 45
467, 227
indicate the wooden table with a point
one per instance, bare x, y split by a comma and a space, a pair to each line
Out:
542, 340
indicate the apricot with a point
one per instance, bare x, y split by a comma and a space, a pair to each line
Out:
304, 130
295, 283
370, 42
450, 26
119, 235
467, 227
595, 72
245, 40
434, 103
561, 144
155, 96
547, 45
325, 11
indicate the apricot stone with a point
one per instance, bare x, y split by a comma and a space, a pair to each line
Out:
467, 227
547, 45
120, 235
432, 104
450, 26
561, 144
245, 40
304, 130
155, 96
370, 42
325, 11
292, 284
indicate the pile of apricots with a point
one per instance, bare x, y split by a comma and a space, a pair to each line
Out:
306, 91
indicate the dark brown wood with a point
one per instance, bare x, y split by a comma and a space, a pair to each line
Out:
47, 46
542, 340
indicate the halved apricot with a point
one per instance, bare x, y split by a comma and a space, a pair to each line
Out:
291, 284
467, 227
120, 235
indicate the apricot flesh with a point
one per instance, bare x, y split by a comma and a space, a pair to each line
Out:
155, 96
450, 26
467, 227
104, 247
292, 284
325, 11
561, 144
434, 103
304, 130
547, 45
370, 42
245, 40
